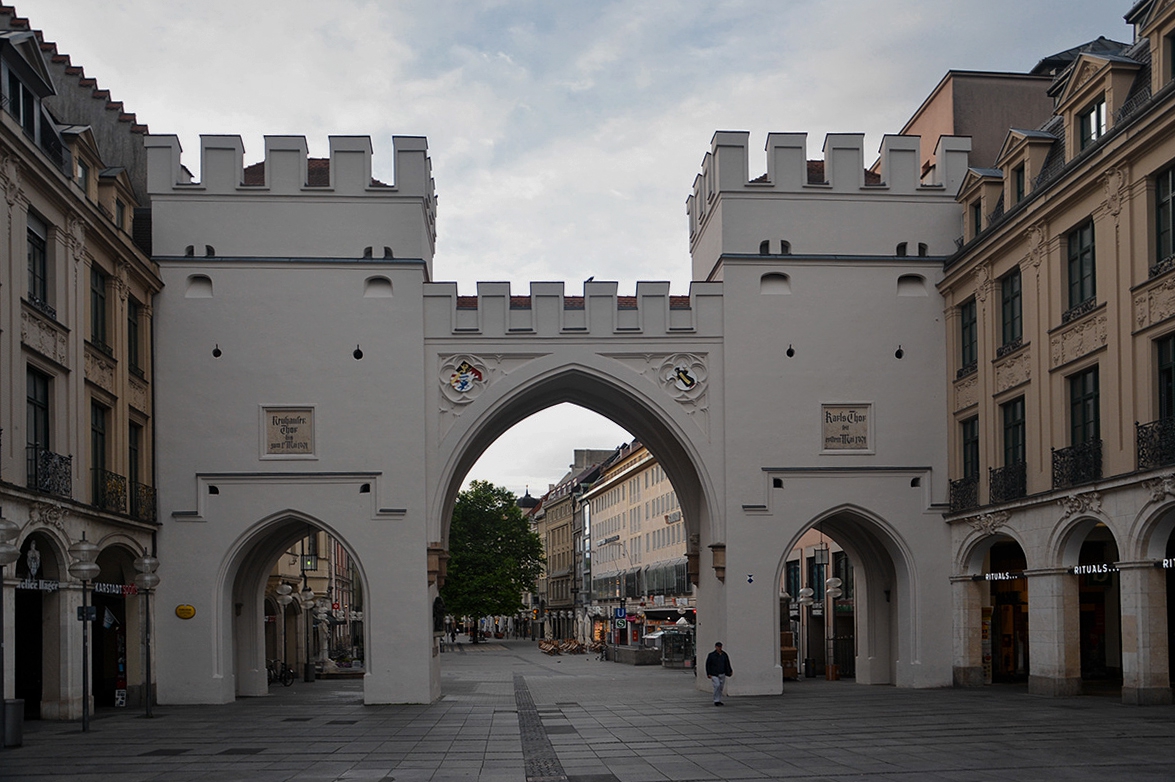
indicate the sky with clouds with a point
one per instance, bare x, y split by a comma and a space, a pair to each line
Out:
564, 136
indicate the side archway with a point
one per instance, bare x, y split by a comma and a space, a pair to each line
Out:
243, 578
885, 590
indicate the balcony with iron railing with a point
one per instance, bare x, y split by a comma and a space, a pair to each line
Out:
1155, 443
965, 494
1006, 483
1077, 464
1078, 310
42, 306
109, 491
143, 502
48, 472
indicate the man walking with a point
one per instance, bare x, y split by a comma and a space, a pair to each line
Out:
718, 668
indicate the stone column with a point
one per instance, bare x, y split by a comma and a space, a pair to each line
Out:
1145, 675
1054, 632
968, 646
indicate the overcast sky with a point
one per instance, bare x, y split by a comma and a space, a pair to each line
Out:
564, 136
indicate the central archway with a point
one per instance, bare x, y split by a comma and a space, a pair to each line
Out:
595, 389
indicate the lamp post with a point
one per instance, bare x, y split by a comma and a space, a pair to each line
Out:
147, 580
307, 598
284, 598
8, 554
85, 569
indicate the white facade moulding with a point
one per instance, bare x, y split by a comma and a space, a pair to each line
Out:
209, 485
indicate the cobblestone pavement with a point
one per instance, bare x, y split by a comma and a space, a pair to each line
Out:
509, 712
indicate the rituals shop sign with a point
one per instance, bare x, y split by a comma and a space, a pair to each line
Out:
847, 427
288, 431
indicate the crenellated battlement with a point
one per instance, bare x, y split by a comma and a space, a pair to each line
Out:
286, 169
547, 311
312, 207
889, 209
842, 170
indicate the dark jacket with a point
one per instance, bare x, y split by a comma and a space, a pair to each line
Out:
718, 663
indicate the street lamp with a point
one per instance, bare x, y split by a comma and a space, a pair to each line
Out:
8, 554
147, 580
85, 569
307, 598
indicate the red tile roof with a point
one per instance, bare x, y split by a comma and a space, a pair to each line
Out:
317, 173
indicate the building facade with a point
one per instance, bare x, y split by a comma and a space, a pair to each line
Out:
639, 547
863, 351
76, 369
1060, 328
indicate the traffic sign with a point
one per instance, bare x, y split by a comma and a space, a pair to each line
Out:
620, 624
619, 613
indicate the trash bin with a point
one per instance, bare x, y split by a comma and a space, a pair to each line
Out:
14, 722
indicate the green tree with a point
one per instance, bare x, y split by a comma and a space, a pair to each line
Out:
494, 555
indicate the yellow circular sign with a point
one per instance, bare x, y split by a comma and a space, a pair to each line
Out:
185, 611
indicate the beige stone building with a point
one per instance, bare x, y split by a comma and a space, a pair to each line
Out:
1061, 355
76, 379
639, 546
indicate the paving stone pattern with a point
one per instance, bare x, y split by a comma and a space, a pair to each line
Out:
509, 713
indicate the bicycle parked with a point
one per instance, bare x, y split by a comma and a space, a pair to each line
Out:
279, 671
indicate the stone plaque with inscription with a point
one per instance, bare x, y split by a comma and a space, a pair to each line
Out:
845, 427
289, 431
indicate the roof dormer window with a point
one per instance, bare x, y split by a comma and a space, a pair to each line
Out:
84, 177
22, 104
1092, 123
1018, 184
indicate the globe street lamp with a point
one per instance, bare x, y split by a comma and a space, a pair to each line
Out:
8, 554
147, 580
85, 569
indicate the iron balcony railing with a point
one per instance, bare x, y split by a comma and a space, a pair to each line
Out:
1077, 464
1009, 482
42, 306
143, 502
1076, 311
48, 472
965, 494
109, 491
1155, 443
